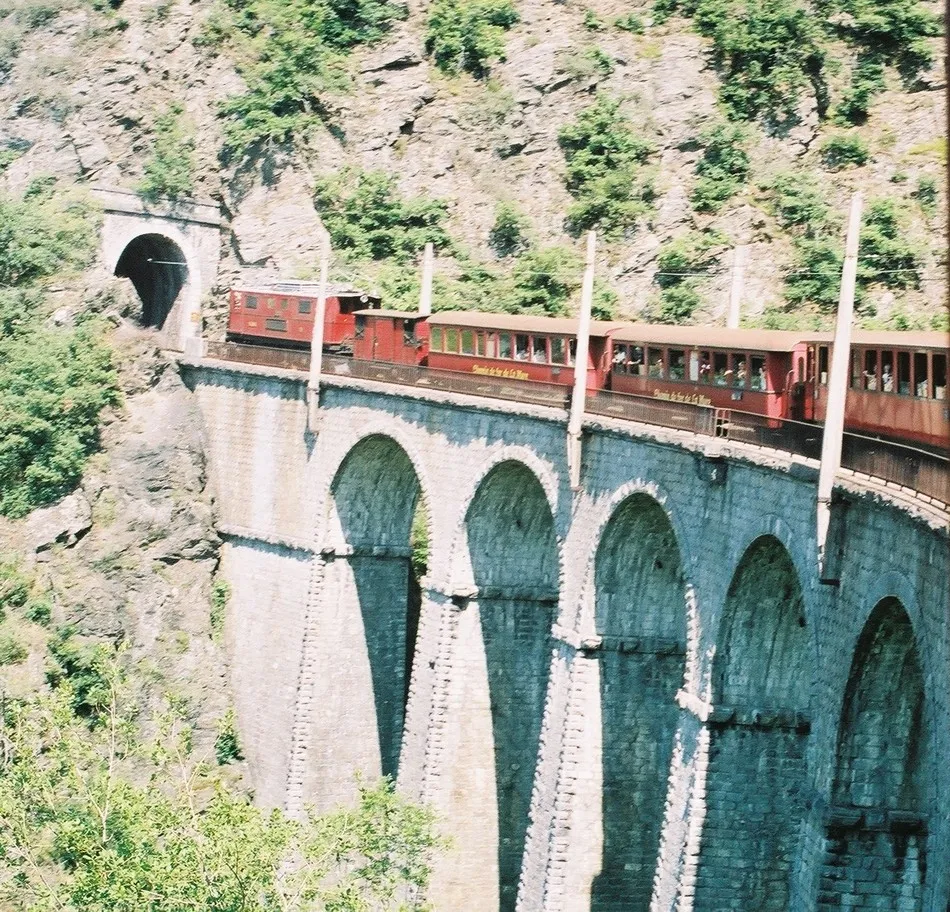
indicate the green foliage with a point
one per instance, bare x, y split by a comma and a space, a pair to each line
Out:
12, 651
290, 53
867, 80
815, 277
543, 281
605, 170
8, 157
19, 590
220, 594
419, 540
368, 219
227, 746
593, 22
799, 202
681, 263
82, 669
169, 171
507, 235
844, 150
630, 23
108, 819
885, 256
926, 194
468, 35
723, 168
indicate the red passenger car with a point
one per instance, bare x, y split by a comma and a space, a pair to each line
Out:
752, 370
516, 347
393, 336
282, 314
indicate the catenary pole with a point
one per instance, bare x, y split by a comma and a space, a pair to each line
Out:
425, 292
579, 393
316, 349
838, 383
739, 258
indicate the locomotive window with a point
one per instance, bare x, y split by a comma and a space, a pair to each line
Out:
360, 328
557, 350
920, 375
720, 368
521, 347
250, 302
823, 365
480, 344
468, 342
887, 371
869, 378
275, 324
903, 373
435, 338
539, 350
757, 375
677, 364
409, 333
452, 341
283, 303
940, 376
303, 306
504, 345
572, 352
705, 368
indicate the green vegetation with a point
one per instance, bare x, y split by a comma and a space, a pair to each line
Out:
12, 651
220, 594
723, 169
926, 194
680, 265
844, 150
227, 746
605, 170
867, 80
369, 220
170, 170
80, 668
291, 54
886, 256
468, 36
19, 590
507, 236
630, 23
593, 22
120, 816
419, 540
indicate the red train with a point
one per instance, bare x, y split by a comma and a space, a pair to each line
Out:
898, 380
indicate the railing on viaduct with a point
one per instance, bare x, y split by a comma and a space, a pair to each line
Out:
915, 469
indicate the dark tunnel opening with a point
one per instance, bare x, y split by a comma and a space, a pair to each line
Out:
157, 269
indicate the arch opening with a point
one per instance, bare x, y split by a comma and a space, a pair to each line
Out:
157, 269
514, 555
377, 501
878, 820
640, 611
762, 676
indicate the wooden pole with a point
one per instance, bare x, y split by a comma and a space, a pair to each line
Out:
738, 282
316, 349
425, 293
838, 385
579, 393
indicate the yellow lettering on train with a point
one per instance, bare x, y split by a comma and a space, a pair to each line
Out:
505, 373
686, 398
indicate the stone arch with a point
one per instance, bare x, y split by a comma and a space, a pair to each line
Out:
514, 557
761, 683
372, 503
879, 815
159, 270
640, 608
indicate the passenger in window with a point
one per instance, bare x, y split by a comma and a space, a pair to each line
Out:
887, 381
656, 368
870, 380
619, 360
740, 374
705, 371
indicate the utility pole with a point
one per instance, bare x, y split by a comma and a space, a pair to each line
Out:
579, 393
425, 292
316, 349
739, 257
837, 393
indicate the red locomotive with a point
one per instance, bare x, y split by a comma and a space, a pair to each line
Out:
898, 386
282, 314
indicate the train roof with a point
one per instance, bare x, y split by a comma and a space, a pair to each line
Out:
389, 314
311, 289
522, 323
900, 339
781, 340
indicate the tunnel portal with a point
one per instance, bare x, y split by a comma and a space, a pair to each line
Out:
157, 268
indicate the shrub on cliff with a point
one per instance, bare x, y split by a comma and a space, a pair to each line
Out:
468, 35
169, 170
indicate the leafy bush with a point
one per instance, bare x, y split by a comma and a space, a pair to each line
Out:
605, 170
839, 152
468, 35
815, 276
677, 304
12, 651
367, 219
507, 235
885, 256
170, 169
866, 81
84, 666
799, 202
593, 22
723, 168
680, 265
220, 594
19, 590
926, 194
630, 23
227, 746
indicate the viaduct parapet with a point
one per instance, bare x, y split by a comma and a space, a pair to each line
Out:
634, 696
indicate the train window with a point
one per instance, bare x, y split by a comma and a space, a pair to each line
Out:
940, 376
283, 303
452, 341
757, 376
869, 378
409, 333
539, 350
521, 347
637, 361
504, 345
360, 327
303, 306
480, 344
435, 337
275, 324
250, 302
491, 346
887, 371
823, 365
738, 370
903, 373
720, 368
705, 369
468, 342
572, 352
557, 350
656, 363
677, 364
920, 375
271, 303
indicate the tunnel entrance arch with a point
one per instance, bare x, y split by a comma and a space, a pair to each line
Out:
157, 268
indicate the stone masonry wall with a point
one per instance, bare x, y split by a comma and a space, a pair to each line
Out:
560, 691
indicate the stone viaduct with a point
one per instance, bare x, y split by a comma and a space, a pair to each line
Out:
633, 696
